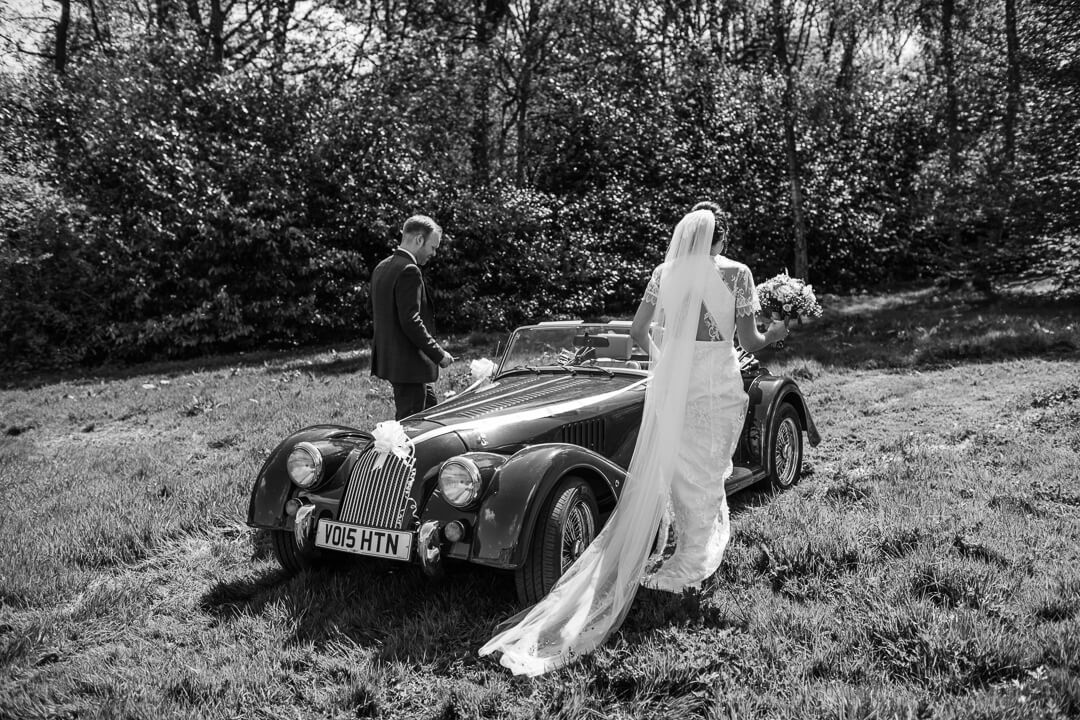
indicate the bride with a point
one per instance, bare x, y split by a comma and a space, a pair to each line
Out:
694, 411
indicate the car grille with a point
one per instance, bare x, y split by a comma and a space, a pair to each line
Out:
587, 434
380, 497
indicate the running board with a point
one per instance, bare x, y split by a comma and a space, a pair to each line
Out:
741, 478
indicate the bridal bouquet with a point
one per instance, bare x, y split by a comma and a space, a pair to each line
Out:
786, 297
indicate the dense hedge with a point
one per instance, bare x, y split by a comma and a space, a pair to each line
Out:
153, 205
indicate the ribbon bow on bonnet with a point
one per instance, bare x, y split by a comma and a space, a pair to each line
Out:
390, 438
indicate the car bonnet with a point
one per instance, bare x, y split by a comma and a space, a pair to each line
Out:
517, 398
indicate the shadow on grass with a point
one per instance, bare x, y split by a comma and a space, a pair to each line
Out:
229, 599
347, 358
924, 328
762, 493
752, 497
385, 608
395, 613
919, 326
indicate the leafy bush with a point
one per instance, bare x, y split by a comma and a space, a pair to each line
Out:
53, 294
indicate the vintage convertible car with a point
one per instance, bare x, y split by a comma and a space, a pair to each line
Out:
518, 472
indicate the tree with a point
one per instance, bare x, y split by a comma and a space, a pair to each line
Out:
63, 25
786, 59
489, 16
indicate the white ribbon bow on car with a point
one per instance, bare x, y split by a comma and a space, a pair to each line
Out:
390, 438
481, 369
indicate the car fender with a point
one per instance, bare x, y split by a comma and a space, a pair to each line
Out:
273, 486
774, 392
519, 489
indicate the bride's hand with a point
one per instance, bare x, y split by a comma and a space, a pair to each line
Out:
777, 331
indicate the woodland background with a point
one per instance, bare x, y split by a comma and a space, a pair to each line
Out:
180, 177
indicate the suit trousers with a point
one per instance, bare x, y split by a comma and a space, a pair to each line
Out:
411, 398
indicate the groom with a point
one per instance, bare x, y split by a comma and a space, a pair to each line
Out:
403, 350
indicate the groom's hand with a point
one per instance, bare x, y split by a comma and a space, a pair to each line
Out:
447, 359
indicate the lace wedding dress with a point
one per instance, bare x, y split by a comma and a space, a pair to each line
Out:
693, 411
715, 411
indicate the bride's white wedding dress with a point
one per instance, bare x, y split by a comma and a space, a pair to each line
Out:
716, 409
693, 412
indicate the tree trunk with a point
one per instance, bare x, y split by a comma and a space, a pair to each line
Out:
194, 14
1012, 84
283, 11
802, 255
529, 55
952, 102
996, 244
165, 17
787, 101
101, 34
489, 14
60, 54
524, 92
216, 30
714, 23
845, 79
961, 257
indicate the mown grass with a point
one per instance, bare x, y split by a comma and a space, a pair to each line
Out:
926, 566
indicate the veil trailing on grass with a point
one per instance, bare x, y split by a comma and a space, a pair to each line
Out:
591, 599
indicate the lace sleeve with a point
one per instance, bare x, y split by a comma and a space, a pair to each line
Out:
652, 290
746, 297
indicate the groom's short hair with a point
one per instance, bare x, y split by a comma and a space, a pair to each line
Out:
723, 220
419, 225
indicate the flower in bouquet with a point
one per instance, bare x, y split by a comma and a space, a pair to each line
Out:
787, 297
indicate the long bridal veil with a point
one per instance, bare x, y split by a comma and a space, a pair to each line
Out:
591, 599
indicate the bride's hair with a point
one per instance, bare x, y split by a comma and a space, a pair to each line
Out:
723, 220
693, 235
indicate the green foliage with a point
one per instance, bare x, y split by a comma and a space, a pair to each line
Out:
52, 294
158, 202
192, 190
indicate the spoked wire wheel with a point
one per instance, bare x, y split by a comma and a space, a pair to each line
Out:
566, 526
787, 447
578, 530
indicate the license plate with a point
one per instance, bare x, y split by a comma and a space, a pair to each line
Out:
364, 540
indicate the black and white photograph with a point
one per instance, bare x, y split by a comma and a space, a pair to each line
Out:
540, 359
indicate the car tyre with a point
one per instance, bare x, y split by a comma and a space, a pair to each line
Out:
289, 555
567, 524
786, 447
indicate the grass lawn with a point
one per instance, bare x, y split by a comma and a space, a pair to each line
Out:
927, 565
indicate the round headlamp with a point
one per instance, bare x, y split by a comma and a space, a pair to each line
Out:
459, 480
305, 465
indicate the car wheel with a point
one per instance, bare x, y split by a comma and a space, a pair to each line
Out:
566, 526
786, 443
289, 555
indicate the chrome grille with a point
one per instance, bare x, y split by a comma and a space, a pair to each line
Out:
587, 433
380, 497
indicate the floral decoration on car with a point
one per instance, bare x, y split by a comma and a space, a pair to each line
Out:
390, 438
482, 370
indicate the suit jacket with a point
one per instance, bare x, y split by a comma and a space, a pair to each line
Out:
403, 350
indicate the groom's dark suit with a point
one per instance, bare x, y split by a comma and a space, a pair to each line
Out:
403, 350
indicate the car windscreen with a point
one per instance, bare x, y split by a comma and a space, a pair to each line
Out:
536, 347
